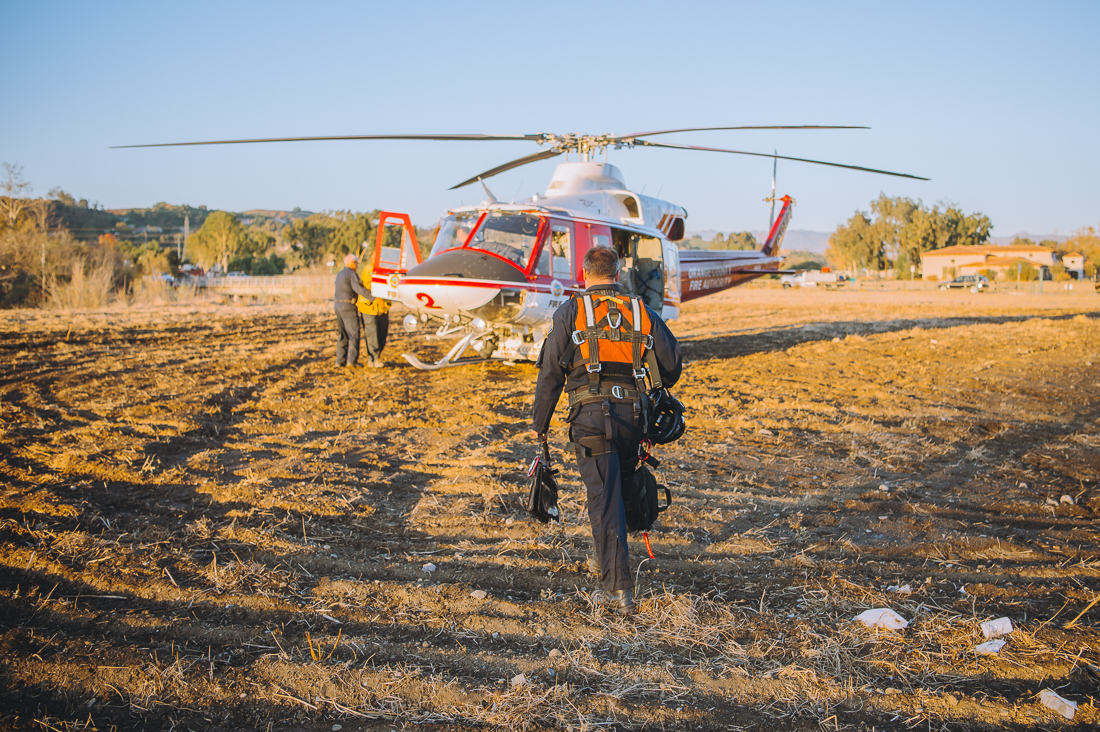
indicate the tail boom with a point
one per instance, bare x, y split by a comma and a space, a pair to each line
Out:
707, 272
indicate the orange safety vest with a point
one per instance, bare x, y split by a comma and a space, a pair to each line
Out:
614, 329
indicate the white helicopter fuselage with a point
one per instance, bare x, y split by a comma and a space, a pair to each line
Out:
497, 271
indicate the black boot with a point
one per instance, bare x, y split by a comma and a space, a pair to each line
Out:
620, 602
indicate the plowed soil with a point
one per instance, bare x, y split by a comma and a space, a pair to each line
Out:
204, 525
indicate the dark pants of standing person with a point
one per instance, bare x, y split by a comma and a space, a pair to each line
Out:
347, 334
603, 478
375, 330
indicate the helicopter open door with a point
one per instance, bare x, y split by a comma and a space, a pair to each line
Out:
643, 267
396, 251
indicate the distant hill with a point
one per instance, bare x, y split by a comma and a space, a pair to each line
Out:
282, 217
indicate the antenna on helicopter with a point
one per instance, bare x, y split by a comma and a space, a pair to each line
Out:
775, 164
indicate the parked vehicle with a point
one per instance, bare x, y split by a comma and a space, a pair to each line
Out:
813, 278
974, 283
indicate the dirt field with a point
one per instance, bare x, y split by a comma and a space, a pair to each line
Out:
205, 525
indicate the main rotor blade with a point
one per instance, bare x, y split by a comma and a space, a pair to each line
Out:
544, 155
535, 137
647, 143
749, 127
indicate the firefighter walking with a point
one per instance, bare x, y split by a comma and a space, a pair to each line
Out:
602, 348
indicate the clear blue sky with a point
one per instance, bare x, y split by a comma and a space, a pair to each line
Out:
996, 102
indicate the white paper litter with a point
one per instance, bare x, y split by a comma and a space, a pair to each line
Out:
1059, 704
429, 568
519, 680
1066, 499
989, 648
882, 617
900, 589
996, 628
479, 594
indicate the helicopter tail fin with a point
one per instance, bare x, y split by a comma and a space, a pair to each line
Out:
779, 228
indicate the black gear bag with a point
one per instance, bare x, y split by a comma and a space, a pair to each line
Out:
542, 501
640, 499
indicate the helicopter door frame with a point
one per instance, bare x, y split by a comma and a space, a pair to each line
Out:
599, 235
385, 276
561, 273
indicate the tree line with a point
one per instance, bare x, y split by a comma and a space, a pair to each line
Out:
49, 243
735, 241
897, 230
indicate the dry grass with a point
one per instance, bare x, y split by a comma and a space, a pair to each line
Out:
198, 508
86, 287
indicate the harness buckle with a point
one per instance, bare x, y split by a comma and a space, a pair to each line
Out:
594, 368
639, 373
578, 337
617, 392
617, 322
649, 340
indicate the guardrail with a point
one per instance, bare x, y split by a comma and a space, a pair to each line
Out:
270, 286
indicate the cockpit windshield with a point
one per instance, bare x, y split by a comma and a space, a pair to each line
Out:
508, 235
453, 231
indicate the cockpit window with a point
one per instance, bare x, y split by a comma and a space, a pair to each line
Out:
508, 235
453, 231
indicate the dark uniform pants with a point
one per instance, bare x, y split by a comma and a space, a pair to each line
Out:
375, 330
603, 479
347, 334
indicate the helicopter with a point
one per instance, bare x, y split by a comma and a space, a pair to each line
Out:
497, 271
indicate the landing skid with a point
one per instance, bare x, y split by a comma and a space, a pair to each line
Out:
451, 359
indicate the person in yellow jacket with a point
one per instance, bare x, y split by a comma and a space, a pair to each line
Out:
375, 316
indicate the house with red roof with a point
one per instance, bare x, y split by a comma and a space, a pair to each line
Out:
947, 263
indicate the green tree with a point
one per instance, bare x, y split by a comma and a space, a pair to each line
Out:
13, 191
330, 235
898, 230
856, 245
220, 239
258, 265
739, 241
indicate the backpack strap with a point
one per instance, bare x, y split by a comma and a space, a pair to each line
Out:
593, 367
650, 356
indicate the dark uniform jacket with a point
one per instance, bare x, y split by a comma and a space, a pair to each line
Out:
348, 285
553, 376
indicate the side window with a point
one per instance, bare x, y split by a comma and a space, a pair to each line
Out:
561, 245
600, 240
543, 266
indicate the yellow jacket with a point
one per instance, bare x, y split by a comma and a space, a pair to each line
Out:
377, 306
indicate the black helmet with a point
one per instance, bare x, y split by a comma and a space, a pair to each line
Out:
666, 422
